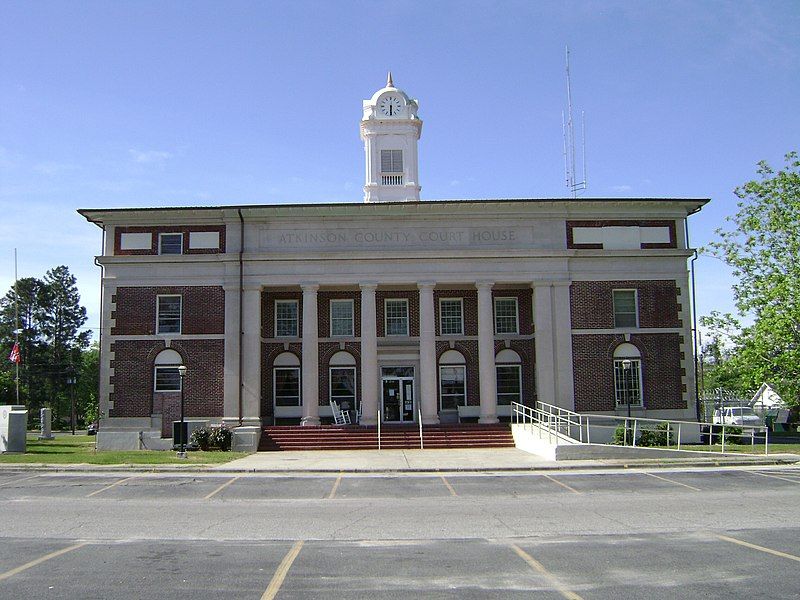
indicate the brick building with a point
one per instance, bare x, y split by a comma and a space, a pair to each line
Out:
397, 308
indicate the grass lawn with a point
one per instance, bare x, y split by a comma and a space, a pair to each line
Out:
77, 449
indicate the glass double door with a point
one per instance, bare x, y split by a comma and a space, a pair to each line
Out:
398, 398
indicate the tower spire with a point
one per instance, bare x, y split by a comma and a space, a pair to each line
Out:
389, 82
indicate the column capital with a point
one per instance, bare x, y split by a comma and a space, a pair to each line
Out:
426, 285
484, 284
309, 287
551, 283
368, 286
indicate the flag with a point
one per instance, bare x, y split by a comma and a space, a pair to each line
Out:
14, 356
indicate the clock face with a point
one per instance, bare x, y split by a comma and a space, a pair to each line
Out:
390, 106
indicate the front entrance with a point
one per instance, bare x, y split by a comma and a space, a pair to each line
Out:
398, 394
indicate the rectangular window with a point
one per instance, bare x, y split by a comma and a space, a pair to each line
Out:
452, 387
170, 243
168, 319
509, 384
168, 379
396, 317
286, 318
343, 387
341, 318
287, 386
625, 313
391, 161
628, 382
451, 316
505, 316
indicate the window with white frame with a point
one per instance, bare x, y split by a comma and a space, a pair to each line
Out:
451, 316
166, 377
396, 316
452, 386
506, 318
627, 375
509, 377
391, 161
286, 386
625, 308
286, 312
170, 243
343, 387
341, 318
168, 314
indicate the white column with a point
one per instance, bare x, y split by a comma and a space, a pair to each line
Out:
310, 356
251, 355
488, 376
427, 354
231, 378
543, 333
562, 341
369, 355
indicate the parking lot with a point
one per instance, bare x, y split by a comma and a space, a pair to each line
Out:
657, 533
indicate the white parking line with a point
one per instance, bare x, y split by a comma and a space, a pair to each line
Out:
757, 547
772, 476
280, 573
220, 488
335, 487
539, 567
691, 487
108, 487
564, 485
40, 560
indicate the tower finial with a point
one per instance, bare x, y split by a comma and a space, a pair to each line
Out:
389, 82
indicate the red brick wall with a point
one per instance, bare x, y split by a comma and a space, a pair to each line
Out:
185, 230
592, 304
413, 309
593, 368
134, 363
268, 310
324, 311
673, 242
135, 309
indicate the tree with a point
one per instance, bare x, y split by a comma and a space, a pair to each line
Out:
51, 341
763, 248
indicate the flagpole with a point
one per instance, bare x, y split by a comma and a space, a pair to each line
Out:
16, 318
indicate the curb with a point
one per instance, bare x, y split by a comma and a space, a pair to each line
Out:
599, 465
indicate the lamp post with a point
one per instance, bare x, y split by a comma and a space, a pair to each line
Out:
71, 384
182, 372
626, 378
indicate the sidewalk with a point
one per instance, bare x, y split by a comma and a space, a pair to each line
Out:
417, 461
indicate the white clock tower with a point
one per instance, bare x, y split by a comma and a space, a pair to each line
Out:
390, 129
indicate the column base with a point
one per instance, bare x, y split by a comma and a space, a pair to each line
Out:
488, 420
309, 421
430, 419
367, 422
232, 422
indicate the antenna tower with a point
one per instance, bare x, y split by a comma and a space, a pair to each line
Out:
570, 174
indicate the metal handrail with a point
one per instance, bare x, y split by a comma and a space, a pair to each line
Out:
379, 429
559, 423
419, 413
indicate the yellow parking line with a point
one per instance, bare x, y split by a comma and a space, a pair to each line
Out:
335, 487
20, 479
220, 488
449, 487
40, 560
108, 487
772, 476
280, 573
759, 548
675, 482
564, 485
539, 567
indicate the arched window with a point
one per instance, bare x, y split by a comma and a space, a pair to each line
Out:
508, 366
343, 380
452, 380
286, 380
165, 372
627, 375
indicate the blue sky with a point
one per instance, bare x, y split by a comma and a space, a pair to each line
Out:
111, 104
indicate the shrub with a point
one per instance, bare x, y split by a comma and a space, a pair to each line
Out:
201, 438
652, 436
212, 438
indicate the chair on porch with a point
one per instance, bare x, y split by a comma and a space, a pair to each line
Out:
340, 417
